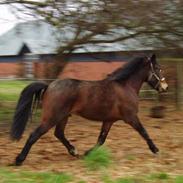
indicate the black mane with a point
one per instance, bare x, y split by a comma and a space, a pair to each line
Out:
127, 70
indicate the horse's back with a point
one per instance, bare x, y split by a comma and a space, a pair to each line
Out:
59, 85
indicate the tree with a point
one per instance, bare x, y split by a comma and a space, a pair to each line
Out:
153, 23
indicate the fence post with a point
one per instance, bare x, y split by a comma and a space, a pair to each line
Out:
29, 64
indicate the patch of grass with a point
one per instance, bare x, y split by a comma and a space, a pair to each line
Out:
130, 157
179, 179
6, 113
12, 176
152, 178
4, 97
107, 179
13, 84
10, 90
82, 181
98, 158
158, 176
9, 95
125, 180
31, 177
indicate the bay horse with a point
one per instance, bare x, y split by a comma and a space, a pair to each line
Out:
108, 100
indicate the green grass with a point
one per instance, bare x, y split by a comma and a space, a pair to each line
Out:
158, 176
152, 178
81, 181
98, 159
130, 157
107, 179
9, 94
31, 177
179, 179
17, 176
6, 113
10, 90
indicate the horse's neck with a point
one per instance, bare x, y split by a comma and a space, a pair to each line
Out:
136, 81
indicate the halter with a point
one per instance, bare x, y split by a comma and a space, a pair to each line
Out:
153, 74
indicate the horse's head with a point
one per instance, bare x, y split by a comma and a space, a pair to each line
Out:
155, 78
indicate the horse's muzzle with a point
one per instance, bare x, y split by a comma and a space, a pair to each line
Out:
163, 86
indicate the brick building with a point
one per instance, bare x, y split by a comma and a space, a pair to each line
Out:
28, 48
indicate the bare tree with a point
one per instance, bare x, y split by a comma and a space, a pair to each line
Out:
153, 23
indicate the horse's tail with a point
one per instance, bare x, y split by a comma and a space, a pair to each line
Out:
30, 96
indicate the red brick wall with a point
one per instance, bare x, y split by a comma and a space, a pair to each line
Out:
39, 70
89, 70
9, 69
80, 70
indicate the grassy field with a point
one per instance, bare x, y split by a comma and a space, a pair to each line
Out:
99, 161
10, 90
17, 176
9, 94
8, 176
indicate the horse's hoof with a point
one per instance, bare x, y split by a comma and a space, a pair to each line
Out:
74, 152
155, 150
18, 162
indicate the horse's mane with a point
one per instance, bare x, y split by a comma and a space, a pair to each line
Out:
127, 70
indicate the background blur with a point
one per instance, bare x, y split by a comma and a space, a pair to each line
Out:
48, 39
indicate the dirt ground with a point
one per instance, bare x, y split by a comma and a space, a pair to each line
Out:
131, 155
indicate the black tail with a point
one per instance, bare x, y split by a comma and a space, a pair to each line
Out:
30, 95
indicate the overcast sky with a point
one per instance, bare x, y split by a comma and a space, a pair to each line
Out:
7, 19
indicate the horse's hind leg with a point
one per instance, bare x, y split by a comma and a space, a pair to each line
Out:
106, 126
136, 124
59, 133
42, 129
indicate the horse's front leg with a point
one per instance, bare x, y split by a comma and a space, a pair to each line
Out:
106, 126
136, 124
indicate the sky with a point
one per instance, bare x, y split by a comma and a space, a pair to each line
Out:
7, 19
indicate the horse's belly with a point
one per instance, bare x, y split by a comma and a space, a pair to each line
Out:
99, 108
98, 114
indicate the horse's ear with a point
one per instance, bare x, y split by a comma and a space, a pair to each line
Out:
153, 58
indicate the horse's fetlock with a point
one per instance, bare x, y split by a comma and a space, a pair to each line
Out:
73, 151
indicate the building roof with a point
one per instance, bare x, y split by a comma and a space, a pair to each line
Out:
40, 37
36, 35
